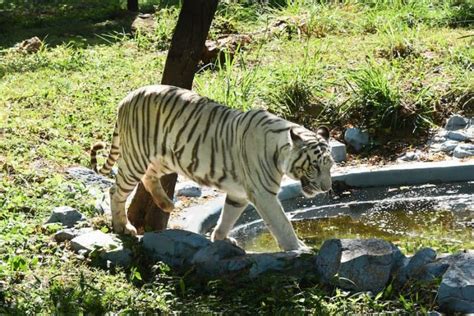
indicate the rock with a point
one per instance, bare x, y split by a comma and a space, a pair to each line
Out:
446, 146
463, 150
218, 250
94, 239
207, 259
31, 45
174, 247
459, 136
338, 150
358, 264
251, 266
456, 292
143, 24
118, 257
356, 138
108, 247
456, 122
65, 215
188, 189
416, 265
292, 263
97, 186
70, 233
410, 156
215, 50
89, 178
102, 204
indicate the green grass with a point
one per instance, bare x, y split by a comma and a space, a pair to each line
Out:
408, 63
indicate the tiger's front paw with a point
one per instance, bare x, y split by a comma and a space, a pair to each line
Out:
127, 229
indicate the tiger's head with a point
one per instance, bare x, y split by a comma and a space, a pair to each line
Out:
310, 160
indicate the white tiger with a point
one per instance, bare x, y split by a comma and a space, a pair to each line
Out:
164, 129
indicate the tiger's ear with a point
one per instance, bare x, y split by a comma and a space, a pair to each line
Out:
295, 138
324, 132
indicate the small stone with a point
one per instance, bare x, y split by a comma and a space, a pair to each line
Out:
218, 250
338, 150
446, 146
463, 150
410, 156
456, 292
207, 259
65, 215
31, 45
356, 138
174, 247
89, 178
118, 257
416, 265
188, 189
95, 239
70, 233
102, 204
143, 24
457, 135
456, 122
358, 264
109, 247
290, 262
439, 139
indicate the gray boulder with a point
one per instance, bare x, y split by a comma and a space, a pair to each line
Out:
251, 266
120, 256
456, 292
293, 263
456, 122
356, 138
410, 156
218, 250
65, 215
463, 150
446, 146
358, 264
415, 267
457, 135
107, 246
188, 189
70, 233
208, 260
174, 247
95, 239
89, 178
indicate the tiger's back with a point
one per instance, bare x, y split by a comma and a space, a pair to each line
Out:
177, 130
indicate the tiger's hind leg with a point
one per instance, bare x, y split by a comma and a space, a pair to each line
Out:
231, 212
152, 184
125, 182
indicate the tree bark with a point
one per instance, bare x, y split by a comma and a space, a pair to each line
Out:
181, 63
132, 5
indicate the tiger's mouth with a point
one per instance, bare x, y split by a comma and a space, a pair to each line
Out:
309, 189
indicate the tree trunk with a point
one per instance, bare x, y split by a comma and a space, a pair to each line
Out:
181, 63
132, 5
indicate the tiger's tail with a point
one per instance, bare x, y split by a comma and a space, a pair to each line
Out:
114, 154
